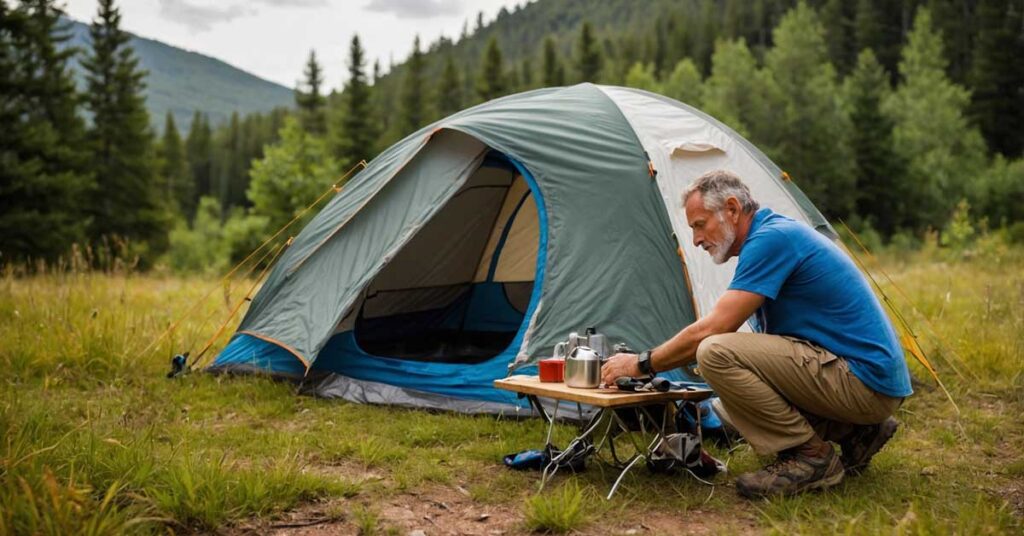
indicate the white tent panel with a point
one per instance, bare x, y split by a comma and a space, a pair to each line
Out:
517, 260
682, 146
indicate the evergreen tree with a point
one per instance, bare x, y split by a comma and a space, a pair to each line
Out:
199, 152
311, 102
809, 137
641, 76
358, 132
449, 93
736, 91
126, 203
877, 26
660, 51
413, 113
232, 167
588, 55
881, 174
491, 84
704, 34
178, 186
684, 83
997, 102
526, 74
42, 165
931, 130
291, 175
553, 74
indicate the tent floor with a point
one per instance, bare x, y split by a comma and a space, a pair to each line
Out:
450, 346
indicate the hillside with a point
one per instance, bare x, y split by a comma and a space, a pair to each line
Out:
181, 81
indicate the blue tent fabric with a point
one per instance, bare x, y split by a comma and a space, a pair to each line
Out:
250, 353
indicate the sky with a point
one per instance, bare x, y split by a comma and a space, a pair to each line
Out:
272, 38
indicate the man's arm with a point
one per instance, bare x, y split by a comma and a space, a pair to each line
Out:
729, 313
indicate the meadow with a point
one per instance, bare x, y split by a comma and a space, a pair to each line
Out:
95, 439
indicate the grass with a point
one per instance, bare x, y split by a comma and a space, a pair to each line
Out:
93, 438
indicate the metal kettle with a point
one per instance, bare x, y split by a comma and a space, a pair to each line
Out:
583, 368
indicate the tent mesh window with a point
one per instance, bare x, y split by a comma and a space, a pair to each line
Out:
458, 291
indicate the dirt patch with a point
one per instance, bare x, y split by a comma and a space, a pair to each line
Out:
438, 510
1013, 494
442, 510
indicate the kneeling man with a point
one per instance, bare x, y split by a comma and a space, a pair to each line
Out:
825, 364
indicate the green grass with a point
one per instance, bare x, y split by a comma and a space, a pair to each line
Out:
93, 438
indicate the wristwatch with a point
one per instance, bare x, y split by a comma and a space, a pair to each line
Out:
643, 362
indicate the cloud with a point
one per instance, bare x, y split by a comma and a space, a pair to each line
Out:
201, 18
294, 3
416, 9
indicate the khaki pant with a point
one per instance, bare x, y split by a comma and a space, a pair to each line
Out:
779, 391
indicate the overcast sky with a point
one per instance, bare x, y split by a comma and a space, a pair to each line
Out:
272, 38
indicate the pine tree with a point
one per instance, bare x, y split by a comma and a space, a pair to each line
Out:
449, 92
43, 176
311, 102
491, 83
358, 132
875, 26
413, 112
641, 76
997, 103
126, 203
526, 74
232, 168
553, 74
736, 91
809, 135
178, 186
588, 55
931, 129
838, 16
199, 151
684, 83
292, 174
704, 34
881, 173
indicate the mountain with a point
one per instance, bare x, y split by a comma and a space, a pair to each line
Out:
181, 81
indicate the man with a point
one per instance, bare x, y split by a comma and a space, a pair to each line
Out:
825, 365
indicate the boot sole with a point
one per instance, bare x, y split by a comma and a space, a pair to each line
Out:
818, 485
885, 433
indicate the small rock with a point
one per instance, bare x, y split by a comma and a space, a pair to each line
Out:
483, 517
417, 532
929, 471
631, 532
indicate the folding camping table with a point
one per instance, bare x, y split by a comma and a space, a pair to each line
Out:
606, 402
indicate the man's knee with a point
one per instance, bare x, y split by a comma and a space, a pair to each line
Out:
716, 352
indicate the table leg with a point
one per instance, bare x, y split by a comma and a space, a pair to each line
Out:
642, 453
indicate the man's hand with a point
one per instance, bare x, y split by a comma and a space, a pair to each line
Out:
617, 366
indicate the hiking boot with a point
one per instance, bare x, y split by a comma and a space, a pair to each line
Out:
792, 473
864, 442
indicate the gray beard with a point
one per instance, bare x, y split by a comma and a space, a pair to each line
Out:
720, 252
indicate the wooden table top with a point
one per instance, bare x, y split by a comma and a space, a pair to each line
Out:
604, 398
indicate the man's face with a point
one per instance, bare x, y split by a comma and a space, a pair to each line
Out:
711, 230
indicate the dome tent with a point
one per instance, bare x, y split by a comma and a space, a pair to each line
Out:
471, 247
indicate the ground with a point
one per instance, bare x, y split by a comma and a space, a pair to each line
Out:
96, 440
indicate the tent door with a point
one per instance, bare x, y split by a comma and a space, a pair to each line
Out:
459, 291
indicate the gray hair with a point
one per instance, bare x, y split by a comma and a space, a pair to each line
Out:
717, 186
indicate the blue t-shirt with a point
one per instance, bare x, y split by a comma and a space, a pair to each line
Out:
813, 291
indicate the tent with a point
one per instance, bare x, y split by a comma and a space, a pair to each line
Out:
468, 249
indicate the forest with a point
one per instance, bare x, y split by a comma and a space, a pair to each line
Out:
899, 117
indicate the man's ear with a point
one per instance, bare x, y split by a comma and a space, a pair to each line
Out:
733, 209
